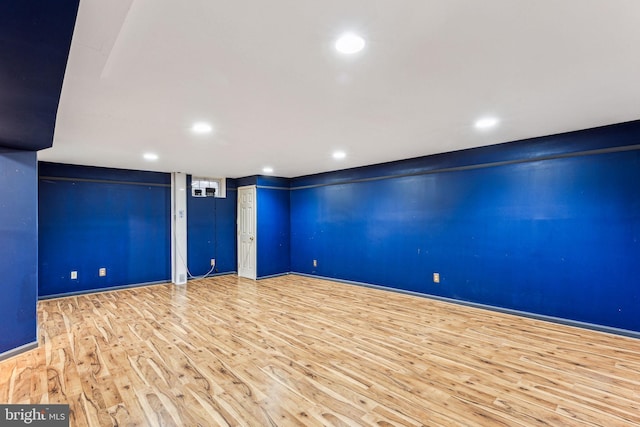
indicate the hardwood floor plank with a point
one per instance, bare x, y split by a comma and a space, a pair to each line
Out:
300, 351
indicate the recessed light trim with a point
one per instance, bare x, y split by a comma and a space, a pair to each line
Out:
267, 169
201, 128
150, 157
339, 155
486, 123
349, 43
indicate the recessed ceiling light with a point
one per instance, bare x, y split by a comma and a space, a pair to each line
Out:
349, 43
486, 123
152, 157
201, 127
338, 155
267, 170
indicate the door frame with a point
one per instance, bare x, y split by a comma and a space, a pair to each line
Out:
241, 273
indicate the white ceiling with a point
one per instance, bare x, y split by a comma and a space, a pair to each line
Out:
266, 76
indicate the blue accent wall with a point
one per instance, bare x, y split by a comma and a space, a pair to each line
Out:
92, 218
535, 226
273, 231
211, 231
18, 248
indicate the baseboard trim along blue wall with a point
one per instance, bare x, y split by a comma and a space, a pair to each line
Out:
18, 248
585, 325
18, 350
95, 291
118, 288
548, 226
277, 275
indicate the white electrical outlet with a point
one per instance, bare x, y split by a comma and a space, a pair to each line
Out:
315, 262
213, 262
74, 275
436, 277
102, 272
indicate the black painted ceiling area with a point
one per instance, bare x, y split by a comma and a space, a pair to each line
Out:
35, 37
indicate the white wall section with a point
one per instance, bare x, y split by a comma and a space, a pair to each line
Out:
179, 228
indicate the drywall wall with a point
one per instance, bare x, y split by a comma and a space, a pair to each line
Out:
18, 248
93, 218
211, 232
549, 226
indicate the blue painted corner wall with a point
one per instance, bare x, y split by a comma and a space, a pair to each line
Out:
273, 231
18, 248
549, 226
273, 224
211, 231
92, 218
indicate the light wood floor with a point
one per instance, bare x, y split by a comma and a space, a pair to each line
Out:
300, 351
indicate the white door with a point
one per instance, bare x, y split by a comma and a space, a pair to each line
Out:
247, 232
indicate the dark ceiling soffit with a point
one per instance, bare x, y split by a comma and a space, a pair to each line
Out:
35, 38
